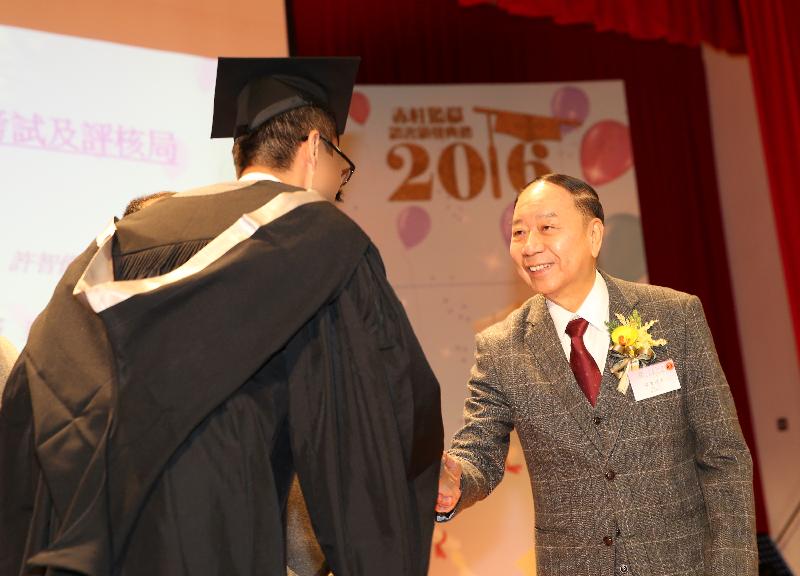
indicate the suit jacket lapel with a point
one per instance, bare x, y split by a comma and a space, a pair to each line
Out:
543, 342
612, 405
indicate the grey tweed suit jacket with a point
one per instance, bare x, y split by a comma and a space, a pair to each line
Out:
657, 487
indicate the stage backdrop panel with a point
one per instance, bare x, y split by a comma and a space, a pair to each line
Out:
438, 169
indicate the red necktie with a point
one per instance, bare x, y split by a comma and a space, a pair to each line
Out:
583, 365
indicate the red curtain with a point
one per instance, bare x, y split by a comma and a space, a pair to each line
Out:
774, 46
420, 41
690, 22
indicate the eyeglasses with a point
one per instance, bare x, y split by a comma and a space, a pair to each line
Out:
347, 173
351, 168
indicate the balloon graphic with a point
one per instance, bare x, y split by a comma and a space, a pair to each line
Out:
606, 152
505, 223
570, 103
359, 107
413, 225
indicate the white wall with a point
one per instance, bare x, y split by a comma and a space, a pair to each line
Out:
765, 325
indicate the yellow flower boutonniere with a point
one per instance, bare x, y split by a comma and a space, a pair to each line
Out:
632, 344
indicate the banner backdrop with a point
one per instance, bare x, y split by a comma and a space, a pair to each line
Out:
438, 169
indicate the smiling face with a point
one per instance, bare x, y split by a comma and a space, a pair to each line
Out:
554, 244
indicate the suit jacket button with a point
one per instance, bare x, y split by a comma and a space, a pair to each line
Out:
608, 541
610, 475
597, 420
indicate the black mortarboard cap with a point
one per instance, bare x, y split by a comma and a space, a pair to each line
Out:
250, 91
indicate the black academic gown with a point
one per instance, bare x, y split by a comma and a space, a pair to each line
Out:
159, 436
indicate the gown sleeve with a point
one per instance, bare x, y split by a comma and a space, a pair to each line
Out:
366, 429
18, 469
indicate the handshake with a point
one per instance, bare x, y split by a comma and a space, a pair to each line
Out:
449, 484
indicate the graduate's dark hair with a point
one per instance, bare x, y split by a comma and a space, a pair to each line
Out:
275, 143
586, 199
138, 203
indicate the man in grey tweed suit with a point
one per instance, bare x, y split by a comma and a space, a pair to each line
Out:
654, 487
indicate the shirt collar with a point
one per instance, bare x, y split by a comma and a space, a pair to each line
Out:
594, 308
257, 176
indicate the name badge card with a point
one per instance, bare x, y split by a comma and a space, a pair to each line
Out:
654, 380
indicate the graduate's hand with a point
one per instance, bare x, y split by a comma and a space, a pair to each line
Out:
449, 484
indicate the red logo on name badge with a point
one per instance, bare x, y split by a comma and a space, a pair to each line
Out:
670, 365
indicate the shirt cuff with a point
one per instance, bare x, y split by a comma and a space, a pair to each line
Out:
448, 515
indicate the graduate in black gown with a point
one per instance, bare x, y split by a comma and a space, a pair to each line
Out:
206, 349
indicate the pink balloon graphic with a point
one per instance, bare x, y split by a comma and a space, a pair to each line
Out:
570, 103
413, 225
606, 152
505, 223
359, 107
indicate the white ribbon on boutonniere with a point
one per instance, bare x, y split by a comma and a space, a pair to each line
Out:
632, 345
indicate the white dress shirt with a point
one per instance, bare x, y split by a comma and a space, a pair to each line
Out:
595, 311
256, 176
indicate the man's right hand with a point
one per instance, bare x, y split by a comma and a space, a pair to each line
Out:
449, 484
